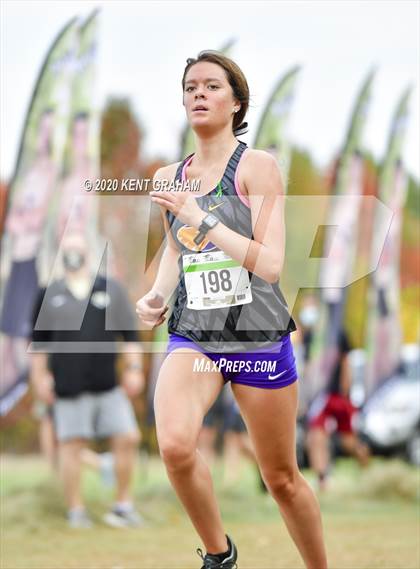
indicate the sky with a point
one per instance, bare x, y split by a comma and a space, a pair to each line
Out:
143, 47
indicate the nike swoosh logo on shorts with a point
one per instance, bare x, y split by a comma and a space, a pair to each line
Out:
278, 375
211, 208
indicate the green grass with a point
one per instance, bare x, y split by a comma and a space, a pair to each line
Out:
371, 520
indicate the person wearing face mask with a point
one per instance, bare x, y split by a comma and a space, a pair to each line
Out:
307, 319
77, 323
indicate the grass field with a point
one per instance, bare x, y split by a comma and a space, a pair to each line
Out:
371, 520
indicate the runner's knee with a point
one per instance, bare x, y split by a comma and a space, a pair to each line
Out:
176, 451
282, 483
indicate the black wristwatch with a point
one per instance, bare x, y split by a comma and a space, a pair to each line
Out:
208, 223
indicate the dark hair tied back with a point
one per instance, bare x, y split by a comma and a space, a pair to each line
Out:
236, 80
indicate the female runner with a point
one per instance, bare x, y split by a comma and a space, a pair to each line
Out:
230, 322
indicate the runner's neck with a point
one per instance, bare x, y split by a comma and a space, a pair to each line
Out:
215, 151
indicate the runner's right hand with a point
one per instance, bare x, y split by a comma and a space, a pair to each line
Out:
151, 309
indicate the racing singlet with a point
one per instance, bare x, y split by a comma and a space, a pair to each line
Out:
219, 304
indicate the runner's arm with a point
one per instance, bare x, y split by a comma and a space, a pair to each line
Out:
263, 255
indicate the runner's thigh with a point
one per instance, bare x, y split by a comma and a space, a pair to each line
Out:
183, 396
270, 416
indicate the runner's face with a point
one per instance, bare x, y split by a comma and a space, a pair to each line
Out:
206, 84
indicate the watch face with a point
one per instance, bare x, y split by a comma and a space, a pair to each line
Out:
211, 220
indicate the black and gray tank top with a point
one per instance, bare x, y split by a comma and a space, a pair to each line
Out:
218, 304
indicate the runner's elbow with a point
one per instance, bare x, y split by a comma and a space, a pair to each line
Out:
276, 267
270, 275
273, 277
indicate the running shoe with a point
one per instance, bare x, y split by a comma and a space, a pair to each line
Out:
123, 518
213, 562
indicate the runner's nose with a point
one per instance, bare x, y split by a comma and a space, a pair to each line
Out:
198, 93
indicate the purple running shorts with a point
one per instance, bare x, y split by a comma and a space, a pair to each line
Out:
270, 367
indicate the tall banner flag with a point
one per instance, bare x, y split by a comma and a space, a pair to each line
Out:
272, 134
337, 263
77, 204
383, 334
32, 190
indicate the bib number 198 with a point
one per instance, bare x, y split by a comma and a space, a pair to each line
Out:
217, 281
214, 280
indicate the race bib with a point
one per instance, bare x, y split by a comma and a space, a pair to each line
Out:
215, 280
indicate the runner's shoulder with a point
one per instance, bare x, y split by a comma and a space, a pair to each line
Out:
166, 172
254, 157
260, 161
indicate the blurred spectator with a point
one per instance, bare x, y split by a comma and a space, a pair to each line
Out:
79, 320
213, 426
103, 463
331, 410
223, 426
236, 441
302, 341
